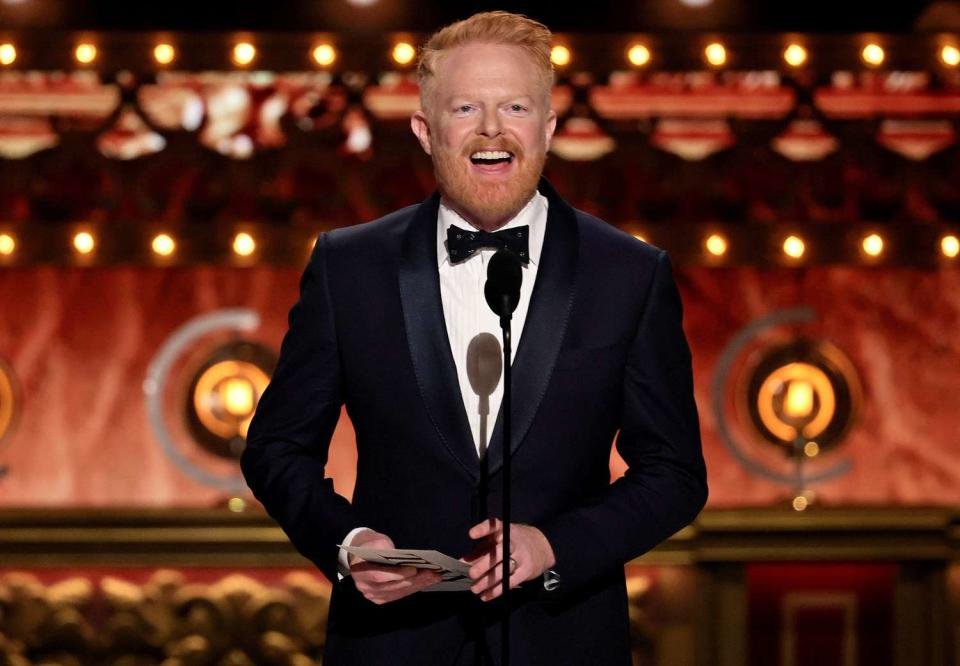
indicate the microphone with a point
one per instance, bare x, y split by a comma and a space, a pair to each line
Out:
502, 290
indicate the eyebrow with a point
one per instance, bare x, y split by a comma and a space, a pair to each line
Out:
464, 96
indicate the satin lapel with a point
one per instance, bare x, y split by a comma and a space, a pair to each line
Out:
427, 336
546, 323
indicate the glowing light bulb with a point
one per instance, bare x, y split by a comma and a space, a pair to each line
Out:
794, 247
873, 54
85, 53
164, 53
8, 54
244, 53
950, 246
811, 449
795, 55
798, 402
716, 245
715, 54
403, 53
873, 245
950, 55
243, 244
638, 55
84, 242
7, 244
324, 54
560, 55
238, 396
163, 245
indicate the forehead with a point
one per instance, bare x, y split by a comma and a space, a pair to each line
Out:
475, 69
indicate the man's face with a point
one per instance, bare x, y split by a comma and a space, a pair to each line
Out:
487, 129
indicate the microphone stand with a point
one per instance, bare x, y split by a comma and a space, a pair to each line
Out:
506, 314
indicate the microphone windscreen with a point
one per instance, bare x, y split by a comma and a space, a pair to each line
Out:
504, 275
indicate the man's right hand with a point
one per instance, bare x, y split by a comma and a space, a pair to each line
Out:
382, 583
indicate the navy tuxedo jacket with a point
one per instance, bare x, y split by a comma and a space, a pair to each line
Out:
602, 351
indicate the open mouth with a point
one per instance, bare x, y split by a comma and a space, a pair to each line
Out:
491, 158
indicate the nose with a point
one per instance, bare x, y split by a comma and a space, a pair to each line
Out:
490, 125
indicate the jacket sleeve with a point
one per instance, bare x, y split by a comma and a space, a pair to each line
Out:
289, 436
665, 486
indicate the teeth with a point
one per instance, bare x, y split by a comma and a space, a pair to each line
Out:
490, 155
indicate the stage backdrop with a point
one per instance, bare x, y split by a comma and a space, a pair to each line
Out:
80, 341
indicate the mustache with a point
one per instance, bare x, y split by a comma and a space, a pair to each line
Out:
501, 143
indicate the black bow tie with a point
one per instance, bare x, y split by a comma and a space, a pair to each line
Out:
461, 244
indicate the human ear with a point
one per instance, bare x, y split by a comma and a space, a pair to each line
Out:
550, 127
421, 128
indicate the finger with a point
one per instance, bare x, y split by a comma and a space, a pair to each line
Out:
490, 560
382, 572
381, 594
489, 526
489, 580
515, 579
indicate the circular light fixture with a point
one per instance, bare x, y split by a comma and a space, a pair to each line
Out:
794, 247
84, 242
224, 393
715, 54
950, 55
403, 53
716, 245
7, 244
873, 54
8, 54
164, 53
85, 53
243, 244
950, 246
324, 54
872, 245
560, 55
638, 55
244, 53
163, 245
795, 55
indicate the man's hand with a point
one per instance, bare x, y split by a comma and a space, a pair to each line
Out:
529, 548
382, 583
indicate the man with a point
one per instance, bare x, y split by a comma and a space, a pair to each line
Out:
390, 320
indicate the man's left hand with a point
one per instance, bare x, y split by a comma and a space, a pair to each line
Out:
529, 548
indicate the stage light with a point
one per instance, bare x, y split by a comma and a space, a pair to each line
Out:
324, 55
84, 242
7, 244
243, 244
8, 54
873, 54
950, 55
811, 449
244, 53
163, 245
403, 53
715, 54
872, 245
795, 55
716, 245
560, 55
164, 53
638, 55
794, 247
950, 246
85, 53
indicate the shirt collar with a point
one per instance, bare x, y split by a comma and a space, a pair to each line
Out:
533, 214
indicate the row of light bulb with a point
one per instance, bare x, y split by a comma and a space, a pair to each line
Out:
715, 244
794, 247
403, 53
163, 245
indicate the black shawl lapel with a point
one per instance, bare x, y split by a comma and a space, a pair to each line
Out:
427, 338
546, 323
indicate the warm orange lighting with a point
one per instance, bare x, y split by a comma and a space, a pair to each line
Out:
795, 55
84, 242
324, 55
244, 53
8, 54
85, 53
164, 53
950, 55
163, 245
811, 449
873, 54
873, 245
238, 396
950, 246
800, 503
243, 244
7, 244
716, 245
640, 238
560, 55
715, 54
237, 504
403, 53
798, 402
638, 55
793, 247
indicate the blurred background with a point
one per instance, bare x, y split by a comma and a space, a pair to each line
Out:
165, 170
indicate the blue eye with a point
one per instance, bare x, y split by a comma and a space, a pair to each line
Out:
517, 108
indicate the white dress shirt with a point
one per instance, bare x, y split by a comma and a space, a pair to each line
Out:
467, 315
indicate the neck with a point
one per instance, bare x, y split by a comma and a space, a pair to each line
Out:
476, 220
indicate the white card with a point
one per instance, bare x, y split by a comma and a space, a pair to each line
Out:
455, 573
